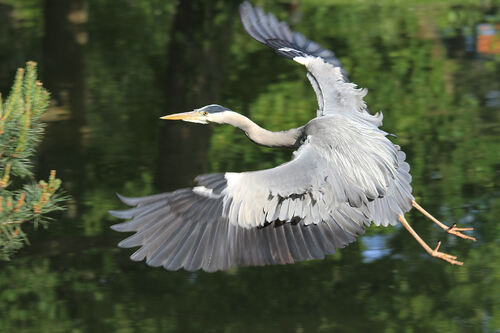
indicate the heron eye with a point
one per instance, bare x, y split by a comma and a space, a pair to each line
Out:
205, 113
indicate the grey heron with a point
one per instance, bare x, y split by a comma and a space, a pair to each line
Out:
344, 175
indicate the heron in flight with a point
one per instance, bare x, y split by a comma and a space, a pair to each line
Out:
344, 175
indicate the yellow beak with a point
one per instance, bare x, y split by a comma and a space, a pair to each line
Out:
179, 116
193, 117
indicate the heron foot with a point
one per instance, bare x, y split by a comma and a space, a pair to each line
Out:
446, 257
434, 253
451, 230
456, 231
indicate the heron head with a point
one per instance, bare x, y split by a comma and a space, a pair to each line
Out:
210, 113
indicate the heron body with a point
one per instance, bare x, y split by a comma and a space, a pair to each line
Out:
344, 175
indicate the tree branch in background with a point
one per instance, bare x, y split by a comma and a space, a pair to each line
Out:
22, 199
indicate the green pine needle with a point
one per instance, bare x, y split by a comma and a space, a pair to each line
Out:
20, 133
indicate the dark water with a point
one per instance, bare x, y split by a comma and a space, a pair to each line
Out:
114, 67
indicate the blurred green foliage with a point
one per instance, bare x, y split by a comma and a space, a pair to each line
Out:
433, 95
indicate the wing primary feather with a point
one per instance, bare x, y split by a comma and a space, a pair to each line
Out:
301, 242
153, 243
314, 249
189, 263
214, 217
159, 256
292, 242
182, 252
283, 246
141, 200
139, 238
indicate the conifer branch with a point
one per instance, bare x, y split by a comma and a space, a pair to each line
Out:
20, 132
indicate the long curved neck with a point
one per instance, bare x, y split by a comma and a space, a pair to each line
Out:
262, 136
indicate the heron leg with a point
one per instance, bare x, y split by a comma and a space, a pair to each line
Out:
451, 230
433, 252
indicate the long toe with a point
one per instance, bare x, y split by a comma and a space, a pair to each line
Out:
456, 231
447, 257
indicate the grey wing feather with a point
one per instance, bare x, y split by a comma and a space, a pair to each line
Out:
266, 29
212, 243
334, 92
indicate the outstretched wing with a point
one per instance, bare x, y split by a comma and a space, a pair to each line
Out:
266, 29
334, 92
273, 216
300, 210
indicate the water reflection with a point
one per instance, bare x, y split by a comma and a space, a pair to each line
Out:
375, 247
143, 59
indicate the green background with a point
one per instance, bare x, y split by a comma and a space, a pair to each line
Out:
114, 67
